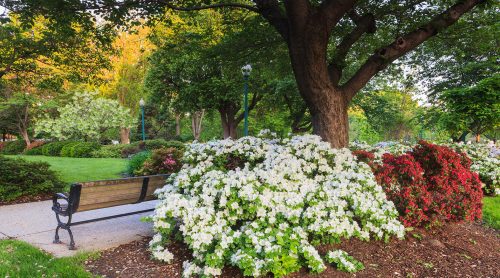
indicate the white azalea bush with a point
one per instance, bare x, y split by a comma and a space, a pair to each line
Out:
485, 161
379, 149
263, 204
343, 261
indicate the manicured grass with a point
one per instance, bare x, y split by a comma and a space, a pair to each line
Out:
82, 169
19, 259
491, 211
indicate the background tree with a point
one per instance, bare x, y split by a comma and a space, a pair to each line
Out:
323, 37
86, 118
475, 109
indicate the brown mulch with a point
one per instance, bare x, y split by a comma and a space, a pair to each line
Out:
454, 250
27, 199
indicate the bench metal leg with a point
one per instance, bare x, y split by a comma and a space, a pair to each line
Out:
66, 226
56, 238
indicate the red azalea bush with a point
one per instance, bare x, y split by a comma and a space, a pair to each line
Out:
366, 157
403, 181
430, 184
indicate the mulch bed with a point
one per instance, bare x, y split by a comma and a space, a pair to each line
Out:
27, 199
454, 250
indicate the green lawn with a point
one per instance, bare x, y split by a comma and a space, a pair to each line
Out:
19, 259
82, 169
491, 211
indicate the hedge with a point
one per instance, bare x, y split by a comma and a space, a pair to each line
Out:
13, 147
19, 177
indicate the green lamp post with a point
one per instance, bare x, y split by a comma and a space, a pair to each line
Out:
141, 104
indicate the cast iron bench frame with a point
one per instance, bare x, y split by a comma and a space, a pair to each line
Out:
73, 201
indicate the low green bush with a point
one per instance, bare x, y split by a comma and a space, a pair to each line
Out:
109, 151
137, 161
80, 149
150, 145
19, 177
13, 147
54, 148
67, 149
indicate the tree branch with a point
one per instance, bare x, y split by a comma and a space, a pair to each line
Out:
364, 24
333, 10
404, 44
212, 6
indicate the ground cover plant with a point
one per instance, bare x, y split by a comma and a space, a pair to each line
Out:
19, 259
82, 169
263, 204
21, 178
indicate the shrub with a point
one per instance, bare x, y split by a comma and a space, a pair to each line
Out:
67, 148
431, 184
84, 149
162, 161
54, 148
109, 151
265, 211
35, 148
19, 177
149, 145
486, 162
13, 147
136, 162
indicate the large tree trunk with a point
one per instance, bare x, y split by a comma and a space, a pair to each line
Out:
330, 119
327, 103
125, 135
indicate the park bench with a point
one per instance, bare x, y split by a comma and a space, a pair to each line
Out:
93, 195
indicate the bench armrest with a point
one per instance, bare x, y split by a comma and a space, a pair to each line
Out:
56, 206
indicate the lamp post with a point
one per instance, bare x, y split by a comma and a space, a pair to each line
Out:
245, 70
141, 104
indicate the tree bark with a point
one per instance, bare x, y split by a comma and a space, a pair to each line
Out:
478, 138
327, 104
125, 135
229, 122
196, 120
26, 137
177, 124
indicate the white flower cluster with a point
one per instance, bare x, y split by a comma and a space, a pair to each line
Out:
261, 205
343, 261
485, 161
381, 148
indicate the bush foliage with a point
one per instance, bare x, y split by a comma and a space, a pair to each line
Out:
262, 204
19, 177
162, 161
429, 184
13, 147
136, 162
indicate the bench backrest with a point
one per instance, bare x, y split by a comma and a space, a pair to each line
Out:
110, 193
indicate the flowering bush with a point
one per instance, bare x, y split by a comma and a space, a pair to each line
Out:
343, 261
162, 161
486, 162
430, 184
378, 150
262, 205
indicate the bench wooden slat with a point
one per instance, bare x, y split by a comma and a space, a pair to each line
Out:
108, 193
